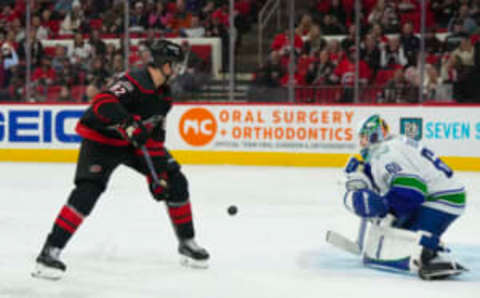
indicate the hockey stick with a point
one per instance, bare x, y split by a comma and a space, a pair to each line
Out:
345, 244
157, 182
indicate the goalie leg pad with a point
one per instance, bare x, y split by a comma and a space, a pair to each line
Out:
392, 248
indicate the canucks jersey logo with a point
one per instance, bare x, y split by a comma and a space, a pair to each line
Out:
412, 128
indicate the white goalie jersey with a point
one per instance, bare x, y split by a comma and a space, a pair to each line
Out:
401, 161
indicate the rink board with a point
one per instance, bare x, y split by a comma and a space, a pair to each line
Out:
260, 134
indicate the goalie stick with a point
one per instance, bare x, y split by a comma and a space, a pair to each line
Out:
345, 244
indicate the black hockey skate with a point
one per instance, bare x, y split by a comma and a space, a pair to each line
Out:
193, 255
434, 267
49, 265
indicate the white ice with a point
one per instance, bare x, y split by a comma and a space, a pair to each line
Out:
273, 247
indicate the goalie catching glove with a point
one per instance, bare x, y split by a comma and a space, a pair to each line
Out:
359, 197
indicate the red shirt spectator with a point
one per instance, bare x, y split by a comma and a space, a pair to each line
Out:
345, 71
222, 15
8, 14
281, 42
44, 72
243, 7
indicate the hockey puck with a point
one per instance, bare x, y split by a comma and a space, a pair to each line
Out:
232, 210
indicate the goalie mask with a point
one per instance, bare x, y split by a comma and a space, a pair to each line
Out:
372, 131
166, 52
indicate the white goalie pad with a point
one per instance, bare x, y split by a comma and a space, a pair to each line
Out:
392, 248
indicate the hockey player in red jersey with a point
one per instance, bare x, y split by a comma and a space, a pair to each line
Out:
121, 120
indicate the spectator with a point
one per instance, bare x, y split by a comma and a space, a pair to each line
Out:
47, 22
221, 14
97, 44
182, 18
462, 69
376, 14
475, 11
90, 93
344, 74
10, 39
3, 78
320, 72
305, 26
393, 56
110, 52
70, 74
145, 56
97, 71
116, 65
8, 14
410, 43
281, 43
159, 17
453, 40
349, 40
62, 8
207, 10
58, 60
9, 62
81, 51
64, 95
433, 45
113, 21
94, 8
434, 89
150, 38
406, 6
15, 27
196, 30
337, 10
44, 75
37, 51
399, 89
331, 26
270, 74
138, 18
314, 41
377, 31
463, 14
391, 18
443, 10
464, 55
73, 21
370, 53
334, 51
42, 31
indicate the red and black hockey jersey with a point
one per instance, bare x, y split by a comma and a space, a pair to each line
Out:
132, 94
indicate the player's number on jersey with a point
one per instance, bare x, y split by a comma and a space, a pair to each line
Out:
437, 162
118, 89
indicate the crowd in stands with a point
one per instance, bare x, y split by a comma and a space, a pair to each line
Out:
389, 52
74, 71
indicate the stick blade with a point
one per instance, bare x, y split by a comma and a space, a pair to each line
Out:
343, 243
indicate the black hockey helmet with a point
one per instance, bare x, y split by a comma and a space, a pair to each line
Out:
164, 51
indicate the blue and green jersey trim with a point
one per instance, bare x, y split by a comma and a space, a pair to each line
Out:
411, 182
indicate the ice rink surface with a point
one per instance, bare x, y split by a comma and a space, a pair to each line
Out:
273, 247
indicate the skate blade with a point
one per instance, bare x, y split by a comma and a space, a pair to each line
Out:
44, 272
191, 263
442, 274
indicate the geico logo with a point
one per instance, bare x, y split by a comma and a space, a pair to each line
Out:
198, 127
35, 126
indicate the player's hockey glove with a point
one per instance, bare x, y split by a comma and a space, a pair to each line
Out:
366, 203
134, 131
355, 175
160, 191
